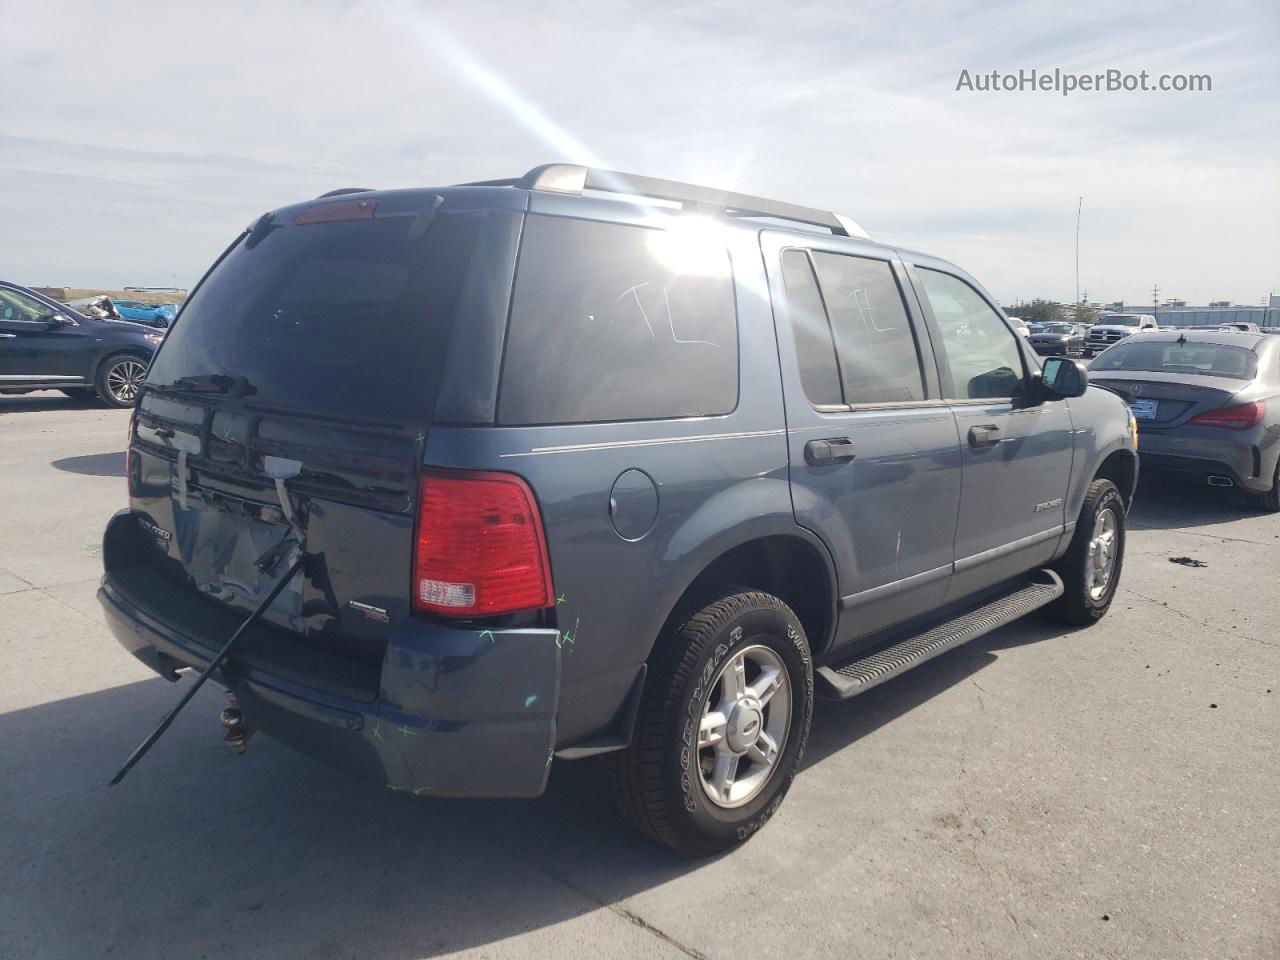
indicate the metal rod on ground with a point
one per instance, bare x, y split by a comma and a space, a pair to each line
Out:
214, 664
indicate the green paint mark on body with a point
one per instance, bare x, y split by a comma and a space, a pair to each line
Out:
405, 731
377, 731
528, 701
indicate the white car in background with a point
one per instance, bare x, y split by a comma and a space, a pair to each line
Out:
1020, 325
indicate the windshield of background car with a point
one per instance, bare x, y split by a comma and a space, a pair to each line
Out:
1206, 359
347, 318
1116, 320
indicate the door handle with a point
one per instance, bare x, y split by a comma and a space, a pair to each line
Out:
7, 336
819, 453
984, 435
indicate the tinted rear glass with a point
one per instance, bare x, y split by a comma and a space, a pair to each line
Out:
617, 322
1208, 359
345, 318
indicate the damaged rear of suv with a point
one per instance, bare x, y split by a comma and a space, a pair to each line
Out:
574, 473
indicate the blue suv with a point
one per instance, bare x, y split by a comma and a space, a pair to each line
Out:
589, 463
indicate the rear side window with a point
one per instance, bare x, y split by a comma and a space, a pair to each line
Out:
879, 362
616, 322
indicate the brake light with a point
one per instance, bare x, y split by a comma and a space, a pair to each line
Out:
341, 210
1240, 417
480, 547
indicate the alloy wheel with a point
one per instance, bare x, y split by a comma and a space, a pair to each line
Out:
746, 718
124, 379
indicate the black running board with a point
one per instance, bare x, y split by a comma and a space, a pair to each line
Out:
871, 669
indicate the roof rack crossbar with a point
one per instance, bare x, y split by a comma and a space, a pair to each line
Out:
573, 179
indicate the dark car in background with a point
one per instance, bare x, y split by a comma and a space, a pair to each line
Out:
1058, 339
1207, 405
46, 345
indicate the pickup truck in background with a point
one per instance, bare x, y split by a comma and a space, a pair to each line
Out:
1111, 328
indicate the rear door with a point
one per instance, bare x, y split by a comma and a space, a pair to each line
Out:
1017, 452
875, 458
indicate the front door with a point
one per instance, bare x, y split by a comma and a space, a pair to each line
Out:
874, 453
1017, 452
32, 349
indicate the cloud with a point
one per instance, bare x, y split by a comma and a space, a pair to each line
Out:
136, 144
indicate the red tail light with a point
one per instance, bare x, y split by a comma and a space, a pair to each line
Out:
480, 548
1240, 417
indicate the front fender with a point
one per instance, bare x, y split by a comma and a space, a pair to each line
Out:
1102, 427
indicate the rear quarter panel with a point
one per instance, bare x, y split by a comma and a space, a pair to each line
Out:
719, 482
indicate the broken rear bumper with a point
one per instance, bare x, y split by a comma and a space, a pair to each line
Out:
452, 712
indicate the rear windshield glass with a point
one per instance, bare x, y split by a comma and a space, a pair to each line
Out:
616, 322
343, 318
1209, 359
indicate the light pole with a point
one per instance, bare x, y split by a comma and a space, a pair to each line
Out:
1079, 208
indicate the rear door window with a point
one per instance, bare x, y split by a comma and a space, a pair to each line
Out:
815, 346
618, 322
879, 359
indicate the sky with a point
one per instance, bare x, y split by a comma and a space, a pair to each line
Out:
136, 140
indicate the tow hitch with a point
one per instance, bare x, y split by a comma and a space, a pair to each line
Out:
237, 737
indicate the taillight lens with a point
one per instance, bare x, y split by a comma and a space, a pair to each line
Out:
480, 548
1240, 417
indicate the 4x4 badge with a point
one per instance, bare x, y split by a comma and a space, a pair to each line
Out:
370, 611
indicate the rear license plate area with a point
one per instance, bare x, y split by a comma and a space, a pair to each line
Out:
1145, 409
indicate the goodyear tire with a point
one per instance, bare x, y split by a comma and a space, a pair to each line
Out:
1090, 569
722, 726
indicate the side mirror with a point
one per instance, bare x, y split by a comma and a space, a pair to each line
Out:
57, 320
1062, 377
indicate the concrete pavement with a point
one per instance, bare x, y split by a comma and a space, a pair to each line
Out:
1110, 792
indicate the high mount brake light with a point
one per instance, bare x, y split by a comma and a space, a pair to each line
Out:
1240, 417
480, 549
340, 210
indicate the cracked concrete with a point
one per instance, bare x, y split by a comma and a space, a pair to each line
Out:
1039, 793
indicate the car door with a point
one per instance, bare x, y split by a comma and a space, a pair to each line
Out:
33, 347
874, 452
1017, 449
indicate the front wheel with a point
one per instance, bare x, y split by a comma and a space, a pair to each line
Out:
120, 378
722, 726
1090, 569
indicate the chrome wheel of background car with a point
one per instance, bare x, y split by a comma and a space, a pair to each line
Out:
1100, 562
124, 379
746, 717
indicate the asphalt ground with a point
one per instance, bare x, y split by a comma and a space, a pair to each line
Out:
1109, 792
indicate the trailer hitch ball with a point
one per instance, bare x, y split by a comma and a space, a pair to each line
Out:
237, 736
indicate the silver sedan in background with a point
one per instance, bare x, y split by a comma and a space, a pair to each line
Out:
1207, 405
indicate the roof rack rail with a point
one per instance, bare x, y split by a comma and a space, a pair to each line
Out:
343, 191
572, 179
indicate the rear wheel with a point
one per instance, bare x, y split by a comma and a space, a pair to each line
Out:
722, 726
120, 378
1268, 500
1090, 569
